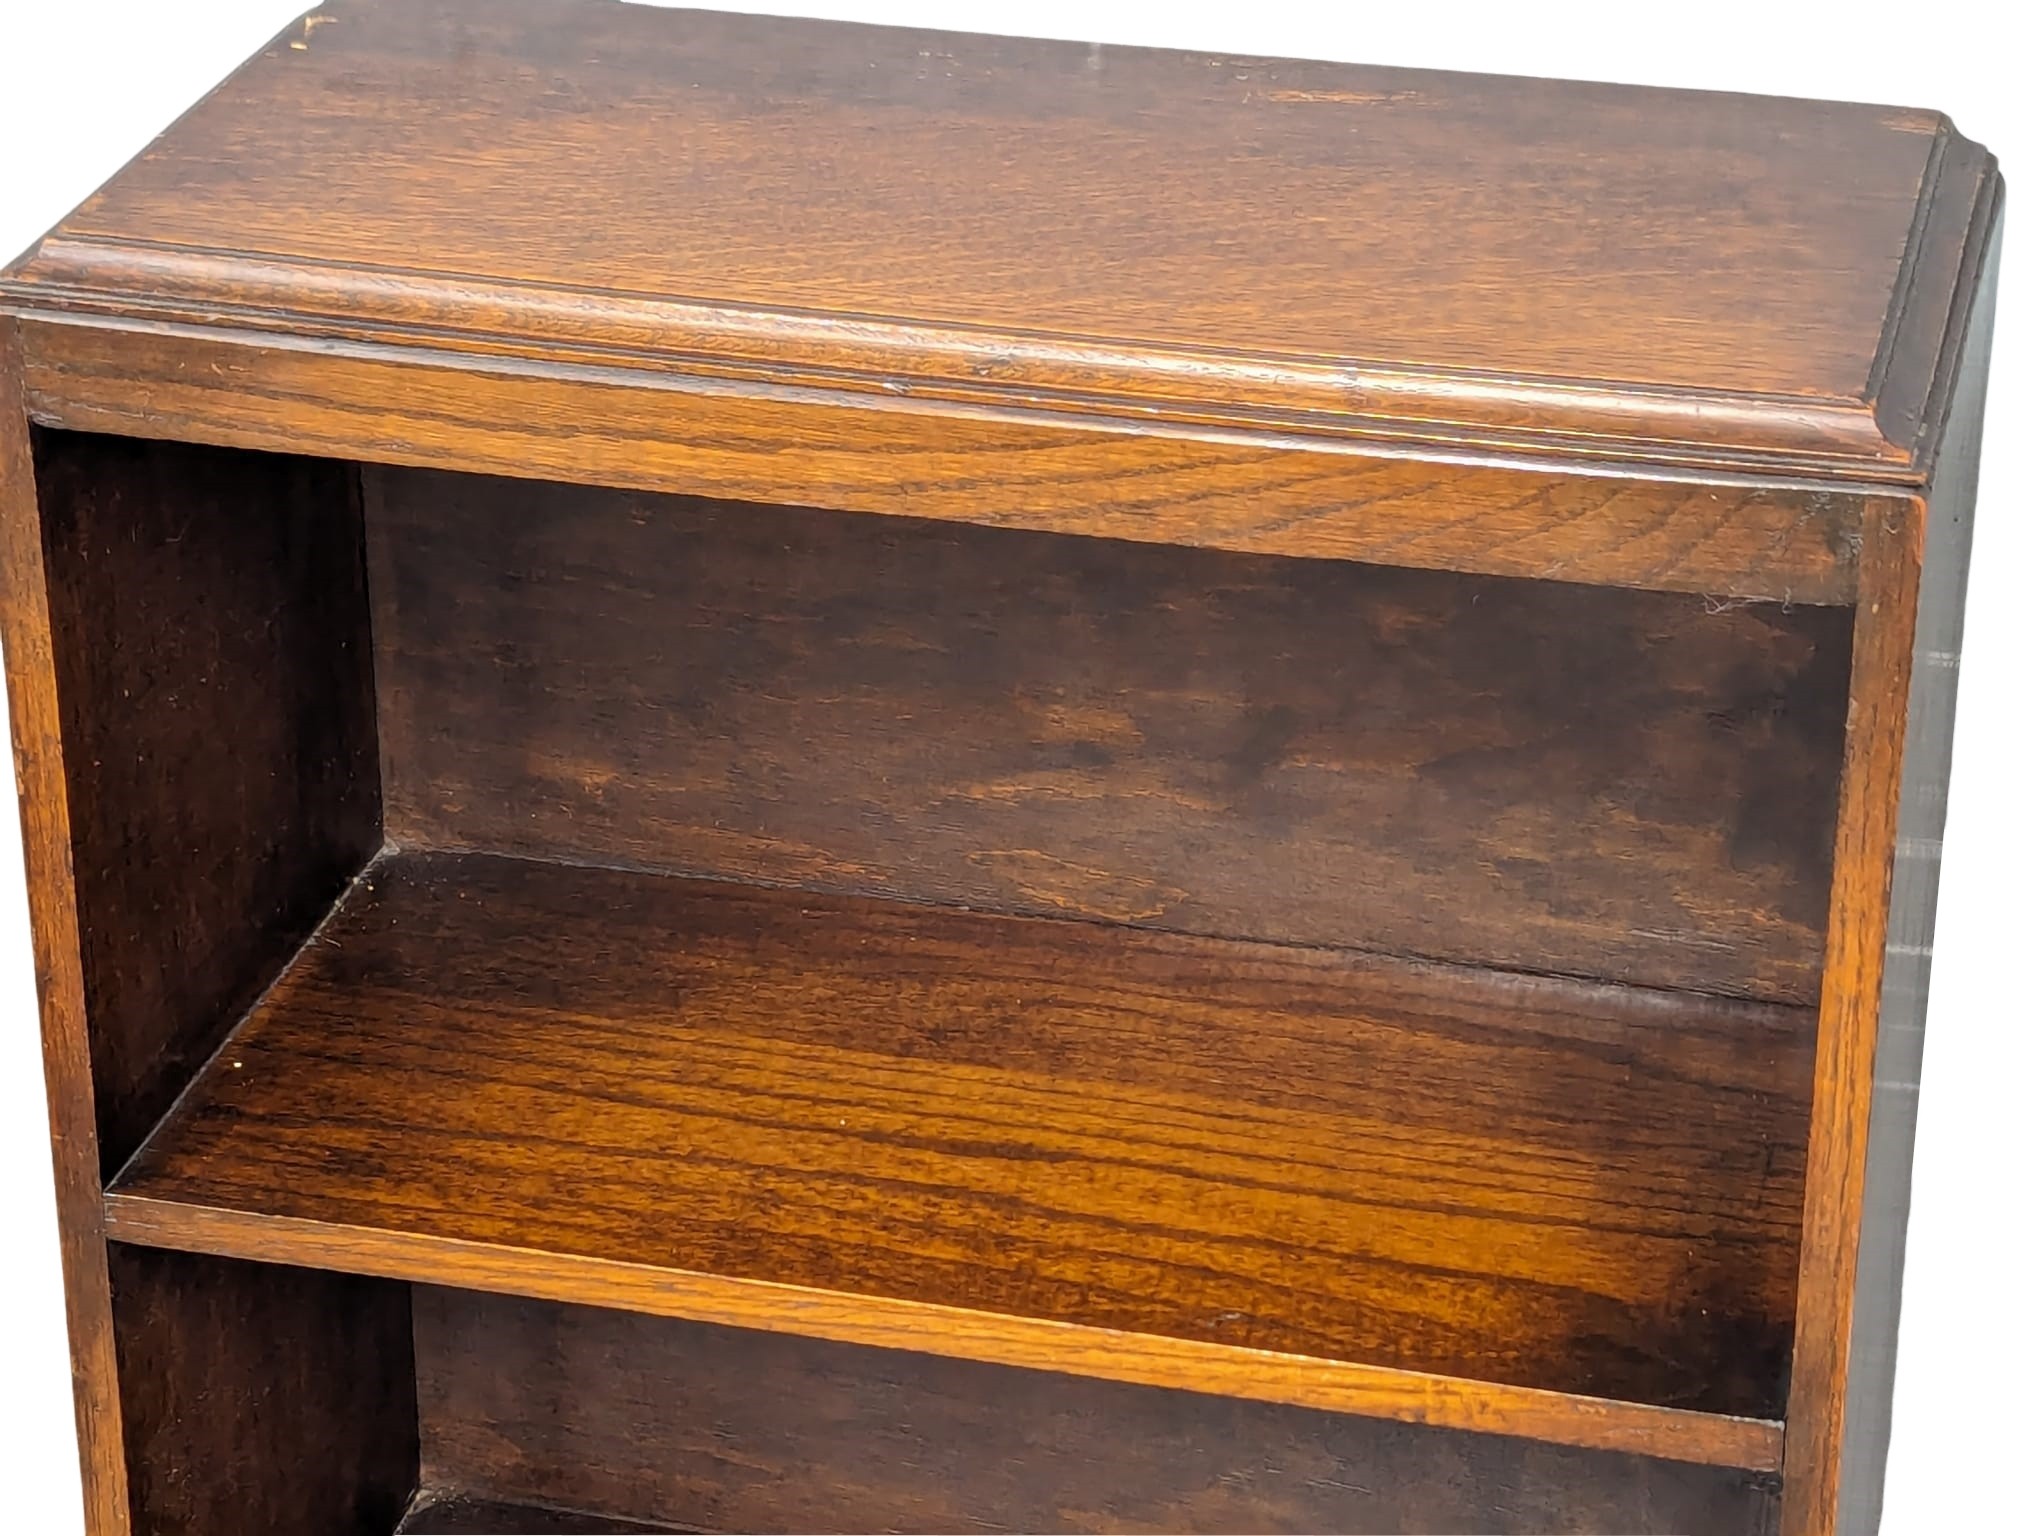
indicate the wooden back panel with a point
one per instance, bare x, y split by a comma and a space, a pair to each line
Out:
723, 1429
1630, 785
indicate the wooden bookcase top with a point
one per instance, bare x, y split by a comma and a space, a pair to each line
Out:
600, 871
1416, 261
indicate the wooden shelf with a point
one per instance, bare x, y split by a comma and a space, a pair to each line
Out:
1534, 1207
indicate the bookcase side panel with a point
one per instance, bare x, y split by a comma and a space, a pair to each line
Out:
1909, 939
1880, 939
193, 713
53, 922
209, 633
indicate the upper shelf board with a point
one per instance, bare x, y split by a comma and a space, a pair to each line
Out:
1415, 261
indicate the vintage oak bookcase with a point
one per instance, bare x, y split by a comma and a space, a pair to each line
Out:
795, 777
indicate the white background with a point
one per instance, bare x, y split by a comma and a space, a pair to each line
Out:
85, 84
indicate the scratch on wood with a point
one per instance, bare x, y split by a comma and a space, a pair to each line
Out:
1351, 98
1691, 940
1074, 887
312, 24
1906, 121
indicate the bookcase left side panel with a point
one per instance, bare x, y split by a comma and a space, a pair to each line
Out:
193, 717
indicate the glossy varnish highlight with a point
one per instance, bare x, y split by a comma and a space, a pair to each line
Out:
1239, 1146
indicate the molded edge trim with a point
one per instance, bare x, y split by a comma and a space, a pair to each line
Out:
1911, 386
1886, 436
1222, 487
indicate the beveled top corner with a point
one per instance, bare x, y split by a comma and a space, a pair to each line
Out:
1411, 259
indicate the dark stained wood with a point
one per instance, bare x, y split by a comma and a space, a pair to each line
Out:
258, 1399
1425, 256
726, 1429
1240, 1147
1634, 786
1148, 481
1873, 1024
456, 1514
212, 664
39, 757
1253, 445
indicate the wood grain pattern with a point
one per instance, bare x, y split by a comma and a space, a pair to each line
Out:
39, 757
1243, 1148
725, 1429
1424, 256
1909, 632
259, 1399
212, 664
1320, 753
1128, 479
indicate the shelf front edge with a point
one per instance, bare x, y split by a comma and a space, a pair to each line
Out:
1368, 1391
1143, 480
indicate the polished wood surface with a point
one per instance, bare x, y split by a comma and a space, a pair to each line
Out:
1259, 492
1234, 1147
1207, 897
1311, 752
204, 674
725, 1429
1407, 255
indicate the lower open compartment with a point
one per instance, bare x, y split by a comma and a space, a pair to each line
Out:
288, 1399
694, 1427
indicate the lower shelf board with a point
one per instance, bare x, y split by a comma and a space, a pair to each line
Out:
446, 1513
1547, 1209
